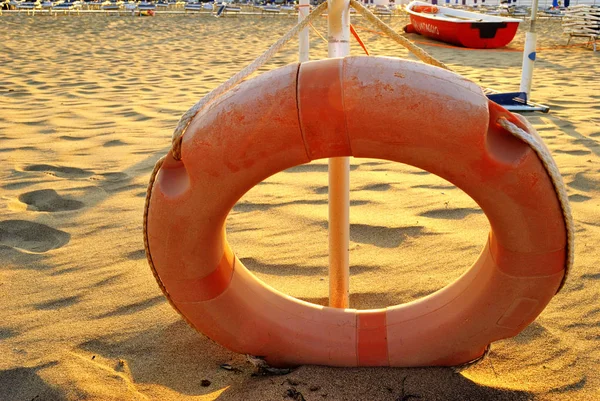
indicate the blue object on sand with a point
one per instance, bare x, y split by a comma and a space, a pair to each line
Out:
515, 101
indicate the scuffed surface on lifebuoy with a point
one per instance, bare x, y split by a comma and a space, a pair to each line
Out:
371, 107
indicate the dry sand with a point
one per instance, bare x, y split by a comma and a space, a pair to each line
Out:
88, 105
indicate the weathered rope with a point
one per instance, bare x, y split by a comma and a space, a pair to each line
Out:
414, 49
153, 175
557, 182
539, 148
157, 167
237, 78
185, 120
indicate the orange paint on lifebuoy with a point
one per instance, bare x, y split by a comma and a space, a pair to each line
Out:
371, 107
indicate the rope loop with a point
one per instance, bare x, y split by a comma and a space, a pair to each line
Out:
187, 117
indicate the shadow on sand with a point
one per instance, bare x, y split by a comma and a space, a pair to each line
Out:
186, 362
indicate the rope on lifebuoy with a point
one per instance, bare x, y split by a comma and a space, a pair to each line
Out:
153, 175
541, 151
187, 117
267, 55
538, 148
552, 169
237, 78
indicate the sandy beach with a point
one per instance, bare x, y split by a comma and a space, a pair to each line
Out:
88, 105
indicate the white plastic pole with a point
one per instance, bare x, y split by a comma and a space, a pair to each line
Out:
339, 172
529, 53
303, 38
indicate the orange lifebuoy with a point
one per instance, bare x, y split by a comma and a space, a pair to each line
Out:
370, 107
425, 9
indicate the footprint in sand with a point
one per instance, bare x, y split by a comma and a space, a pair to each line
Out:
584, 182
376, 187
47, 200
60, 171
436, 187
385, 237
451, 213
575, 152
7, 332
72, 138
579, 198
116, 142
30, 236
136, 255
114, 177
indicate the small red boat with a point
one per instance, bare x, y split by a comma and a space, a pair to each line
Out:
462, 28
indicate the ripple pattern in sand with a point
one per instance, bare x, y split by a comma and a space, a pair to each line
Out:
88, 103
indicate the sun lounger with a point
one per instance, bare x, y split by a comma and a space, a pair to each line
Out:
288, 8
28, 5
582, 21
67, 6
146, 6
515, 101
111, 5
199, 7
381, 9
271, 9
192, 7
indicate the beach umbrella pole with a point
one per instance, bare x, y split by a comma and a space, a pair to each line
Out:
529, 53
339, 171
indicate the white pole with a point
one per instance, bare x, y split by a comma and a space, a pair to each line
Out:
303, 39
339, 172
529, 53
